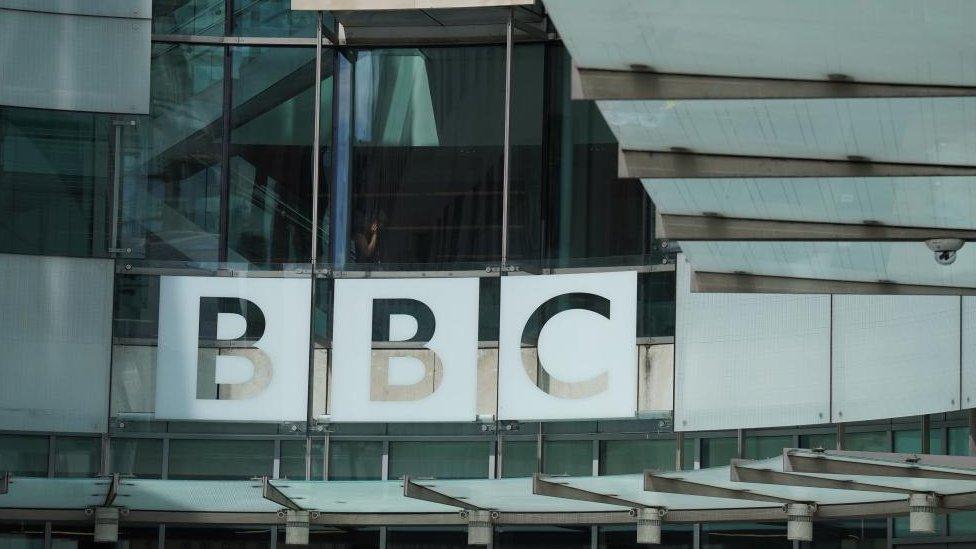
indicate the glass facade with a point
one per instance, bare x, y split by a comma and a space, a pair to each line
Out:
227, 175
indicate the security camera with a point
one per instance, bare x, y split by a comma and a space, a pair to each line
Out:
945, 249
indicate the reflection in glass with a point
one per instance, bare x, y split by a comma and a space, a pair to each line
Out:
655, 304
271, 155
717, 452
138, 457
220, 459
293, 459
199, 17
567, 457
54, 182
171, 200
618, 457
76, 456
271, 18
673, 536
519, 458
355, 460
427, 156
22, 535
766, 447
427, 537
745, 536
24, 455
256, 537
526, 537
439, 459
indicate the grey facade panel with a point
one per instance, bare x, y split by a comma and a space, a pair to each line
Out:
74, 62
55, 343
138, 9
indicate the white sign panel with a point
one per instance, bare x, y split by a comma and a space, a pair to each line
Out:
584, 326
233, 348
431, 377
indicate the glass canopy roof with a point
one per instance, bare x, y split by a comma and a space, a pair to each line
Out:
855, 481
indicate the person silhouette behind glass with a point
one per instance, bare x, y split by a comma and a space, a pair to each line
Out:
366, 240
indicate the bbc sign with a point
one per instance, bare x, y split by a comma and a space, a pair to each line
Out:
238, 349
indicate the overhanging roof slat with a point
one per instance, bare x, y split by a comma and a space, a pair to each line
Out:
740, 283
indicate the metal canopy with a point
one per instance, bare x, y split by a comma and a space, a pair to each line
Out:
766, 120
841, 484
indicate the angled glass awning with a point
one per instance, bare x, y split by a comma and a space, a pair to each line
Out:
823, 484
764, 121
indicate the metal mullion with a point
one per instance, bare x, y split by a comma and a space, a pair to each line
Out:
228, 105
276, 465
51, 450
507, 153
385, 463
165, 472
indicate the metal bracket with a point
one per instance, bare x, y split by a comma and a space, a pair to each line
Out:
541, 487
501, 268
271, 493
419, 491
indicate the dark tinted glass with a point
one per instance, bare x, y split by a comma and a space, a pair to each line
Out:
24, 455
201, 17
655, 304
625, 537
76, 456
272, 127
439, 459
220, 459
519, 537
355, 460
745, 536
519, 458
427, 157
271, 18
171, 200
55, 193
139, 457
567, 457
618, 457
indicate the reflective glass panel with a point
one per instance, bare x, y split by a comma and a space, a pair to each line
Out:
744, 536
257, 537
867, 442
76, 456
355, 460
567, 457
198, 17
910, 442
853, 534
655, 304
824, 440
55, 194
292, 463
439, 459
427, 157
518, 458
22, 535
171, 199
430, 537
526, 537
619, 457
138, 457
220, 459
270, 209
766, 447
24, 455
625, 537
718, 451
272, 18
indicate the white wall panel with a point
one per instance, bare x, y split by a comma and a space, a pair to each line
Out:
968, 350
55, 343
750, 360
894, 356
74, 62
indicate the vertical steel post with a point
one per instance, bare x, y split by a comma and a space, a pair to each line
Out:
679, 450
507, 153
840, 436
924, 432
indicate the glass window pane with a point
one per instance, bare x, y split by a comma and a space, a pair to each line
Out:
171, 200
243, 538
910, 441
564, 537
22, 535
427, 157
745, 536
439, 459
272, 18
428, 538
688, 454
220, 459
655, 304
766, 447
597, 218
619, 457
76, 456
673, 536
292, 463
867, 442
139, 457
355, 460
853, 534
199, 17
54, 188
567, 457
718, 451
271, 155
24, 455
518, 458
958, 441
824, 440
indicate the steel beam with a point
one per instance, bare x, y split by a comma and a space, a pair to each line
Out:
834, 464
271, 493
668, 485
710, 227
418, 491
113, 490
542, 487
599, 84
767, 476
689, 165
742, 283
